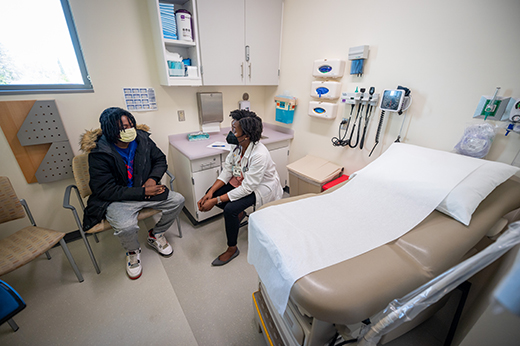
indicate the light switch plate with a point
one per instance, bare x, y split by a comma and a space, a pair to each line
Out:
181, 115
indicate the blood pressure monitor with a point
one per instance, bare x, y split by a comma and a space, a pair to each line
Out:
392, 100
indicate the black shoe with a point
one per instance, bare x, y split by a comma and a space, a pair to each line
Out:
217, 262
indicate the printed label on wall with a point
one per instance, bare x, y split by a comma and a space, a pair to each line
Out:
140, 99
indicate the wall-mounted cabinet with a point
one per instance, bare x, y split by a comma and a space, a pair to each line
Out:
240, 41
164, 47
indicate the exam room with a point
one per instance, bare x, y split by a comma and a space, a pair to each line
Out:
448, 54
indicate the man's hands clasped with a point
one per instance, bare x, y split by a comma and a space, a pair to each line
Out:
152, 189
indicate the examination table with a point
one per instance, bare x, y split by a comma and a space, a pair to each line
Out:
351, 291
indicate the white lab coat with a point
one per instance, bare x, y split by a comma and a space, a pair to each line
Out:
260, 176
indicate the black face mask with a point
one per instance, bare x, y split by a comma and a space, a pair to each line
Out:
232, 139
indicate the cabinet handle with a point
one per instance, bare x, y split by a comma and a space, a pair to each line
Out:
242, 70
249, 70
247, 53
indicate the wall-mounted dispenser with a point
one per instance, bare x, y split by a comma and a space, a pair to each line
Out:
326, 90
357, 55
492, 108
328, 68
211, 110
324, 110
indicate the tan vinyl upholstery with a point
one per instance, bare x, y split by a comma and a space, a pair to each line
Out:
28, 243
351, 291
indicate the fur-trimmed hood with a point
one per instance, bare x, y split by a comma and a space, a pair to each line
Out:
88, 140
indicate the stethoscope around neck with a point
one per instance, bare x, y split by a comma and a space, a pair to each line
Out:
246, 167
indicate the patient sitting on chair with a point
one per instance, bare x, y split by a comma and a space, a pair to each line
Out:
125, 169
248, 178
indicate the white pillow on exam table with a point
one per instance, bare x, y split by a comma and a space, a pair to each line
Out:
462, 201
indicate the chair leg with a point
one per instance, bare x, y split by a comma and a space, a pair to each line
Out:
71, 260
179, 226
96, 238
48, 255
90, 253
13, 324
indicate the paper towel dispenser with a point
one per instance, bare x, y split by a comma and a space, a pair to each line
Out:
211, 109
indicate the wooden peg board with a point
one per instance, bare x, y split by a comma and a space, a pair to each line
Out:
12, 116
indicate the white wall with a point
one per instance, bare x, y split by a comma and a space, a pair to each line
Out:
448, 53
116, 39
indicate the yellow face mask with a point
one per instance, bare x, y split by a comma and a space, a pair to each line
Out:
127, 135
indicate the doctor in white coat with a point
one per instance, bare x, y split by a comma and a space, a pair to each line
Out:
249, 178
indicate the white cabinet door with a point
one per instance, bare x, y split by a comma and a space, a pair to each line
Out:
226, 27
280, 157
202, 181
263, 33
221, 33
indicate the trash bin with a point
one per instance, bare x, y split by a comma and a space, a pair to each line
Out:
309, 174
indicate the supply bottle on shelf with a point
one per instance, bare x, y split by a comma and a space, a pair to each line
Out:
183, 19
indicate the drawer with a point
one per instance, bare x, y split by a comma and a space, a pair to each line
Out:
205, 163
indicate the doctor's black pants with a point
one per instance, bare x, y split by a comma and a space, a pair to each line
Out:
232, 210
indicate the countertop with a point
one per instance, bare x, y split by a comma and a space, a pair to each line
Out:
198, 149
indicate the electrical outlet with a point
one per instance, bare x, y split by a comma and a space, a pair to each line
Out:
181, 115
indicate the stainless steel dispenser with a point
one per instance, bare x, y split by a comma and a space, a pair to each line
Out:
211, 109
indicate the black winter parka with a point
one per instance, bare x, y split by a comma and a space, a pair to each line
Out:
109, 177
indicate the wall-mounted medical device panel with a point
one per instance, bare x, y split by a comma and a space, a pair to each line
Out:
326, 90
324, 110
513, 111
392, 100
355, 98
328, 68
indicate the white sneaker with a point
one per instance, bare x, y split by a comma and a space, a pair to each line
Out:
160, 244
133, 264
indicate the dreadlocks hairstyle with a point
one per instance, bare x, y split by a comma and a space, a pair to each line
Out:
111, 124
250, 123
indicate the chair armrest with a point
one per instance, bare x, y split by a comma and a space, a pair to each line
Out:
67, 205
172, 178
66, 197
28, 211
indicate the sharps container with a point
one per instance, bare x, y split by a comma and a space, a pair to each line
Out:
183, 18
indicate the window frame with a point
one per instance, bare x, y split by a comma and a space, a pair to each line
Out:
58, 88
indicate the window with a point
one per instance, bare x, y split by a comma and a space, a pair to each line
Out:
39, 49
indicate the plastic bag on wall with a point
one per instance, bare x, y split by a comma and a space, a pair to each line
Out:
477, 140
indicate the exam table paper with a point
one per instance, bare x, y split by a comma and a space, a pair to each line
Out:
382, 202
